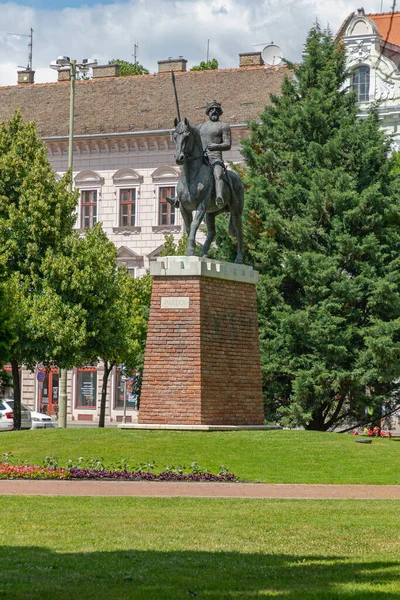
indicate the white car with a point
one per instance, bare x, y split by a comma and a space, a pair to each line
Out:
6, 417
42, 421
26, 422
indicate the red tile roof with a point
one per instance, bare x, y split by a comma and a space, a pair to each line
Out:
388, 25
143, 102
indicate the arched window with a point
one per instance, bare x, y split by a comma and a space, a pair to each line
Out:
360, 83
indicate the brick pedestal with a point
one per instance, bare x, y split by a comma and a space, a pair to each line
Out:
202, 361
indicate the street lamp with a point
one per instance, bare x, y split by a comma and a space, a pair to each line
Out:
62, 63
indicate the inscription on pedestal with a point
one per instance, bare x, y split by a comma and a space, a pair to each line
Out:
175, 302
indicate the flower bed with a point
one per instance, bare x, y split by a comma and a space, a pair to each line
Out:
147, 476
31, 472
96, 470
375, 432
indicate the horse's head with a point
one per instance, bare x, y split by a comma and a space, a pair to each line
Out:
183, 140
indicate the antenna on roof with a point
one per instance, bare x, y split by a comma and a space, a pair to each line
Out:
208, 50
30, 46
272, 54
135, 49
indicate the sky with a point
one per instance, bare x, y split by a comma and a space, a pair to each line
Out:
106, 29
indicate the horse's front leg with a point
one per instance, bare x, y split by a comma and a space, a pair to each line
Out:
210, 222
187, 219
198, 217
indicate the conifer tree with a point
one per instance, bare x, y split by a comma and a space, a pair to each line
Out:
322, 223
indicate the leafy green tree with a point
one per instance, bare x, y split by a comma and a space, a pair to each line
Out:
5, 332
111, 307
128, 68
36, 213
208, 65
173, 248
322, 221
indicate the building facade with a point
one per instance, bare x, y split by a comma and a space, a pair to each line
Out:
373, 48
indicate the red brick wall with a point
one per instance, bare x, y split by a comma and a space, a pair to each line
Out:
202, 364
231, 370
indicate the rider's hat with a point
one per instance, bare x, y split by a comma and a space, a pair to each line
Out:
214, 104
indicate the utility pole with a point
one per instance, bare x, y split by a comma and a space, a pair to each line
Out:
74, 66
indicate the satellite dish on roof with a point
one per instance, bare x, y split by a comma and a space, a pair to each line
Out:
272, 55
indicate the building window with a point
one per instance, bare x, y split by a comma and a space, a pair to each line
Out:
86, 396
125, 389
88, 208
166, 212
8, 392
360, 83
127, 207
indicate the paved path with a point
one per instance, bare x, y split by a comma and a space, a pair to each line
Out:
197, 490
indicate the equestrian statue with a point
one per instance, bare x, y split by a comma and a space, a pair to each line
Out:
205, 187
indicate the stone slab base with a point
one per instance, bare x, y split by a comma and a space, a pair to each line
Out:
173, 427
202, 360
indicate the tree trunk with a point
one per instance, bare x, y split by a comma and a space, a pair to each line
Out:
317, 422
17, 394
107, 370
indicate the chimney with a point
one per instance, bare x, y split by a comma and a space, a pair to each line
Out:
250, 59
26, 76
172, 64
105, 71
64, 74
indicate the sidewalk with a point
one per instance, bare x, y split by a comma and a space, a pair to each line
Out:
197, 490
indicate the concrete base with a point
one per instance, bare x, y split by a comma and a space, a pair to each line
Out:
172, 427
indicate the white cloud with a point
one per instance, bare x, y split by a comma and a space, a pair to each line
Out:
162, 28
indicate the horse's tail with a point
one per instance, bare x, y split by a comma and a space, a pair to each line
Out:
231, 226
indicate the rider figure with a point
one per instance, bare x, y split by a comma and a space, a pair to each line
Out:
216, 138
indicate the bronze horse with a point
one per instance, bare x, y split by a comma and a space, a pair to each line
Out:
196, 191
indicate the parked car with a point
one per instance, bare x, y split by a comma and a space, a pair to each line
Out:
42, 421
6, 417
26, 421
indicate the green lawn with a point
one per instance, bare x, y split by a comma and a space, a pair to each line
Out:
144, 549
264, 456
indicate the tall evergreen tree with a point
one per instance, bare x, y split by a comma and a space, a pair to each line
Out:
322, 223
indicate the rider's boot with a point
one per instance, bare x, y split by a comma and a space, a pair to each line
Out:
174, 202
